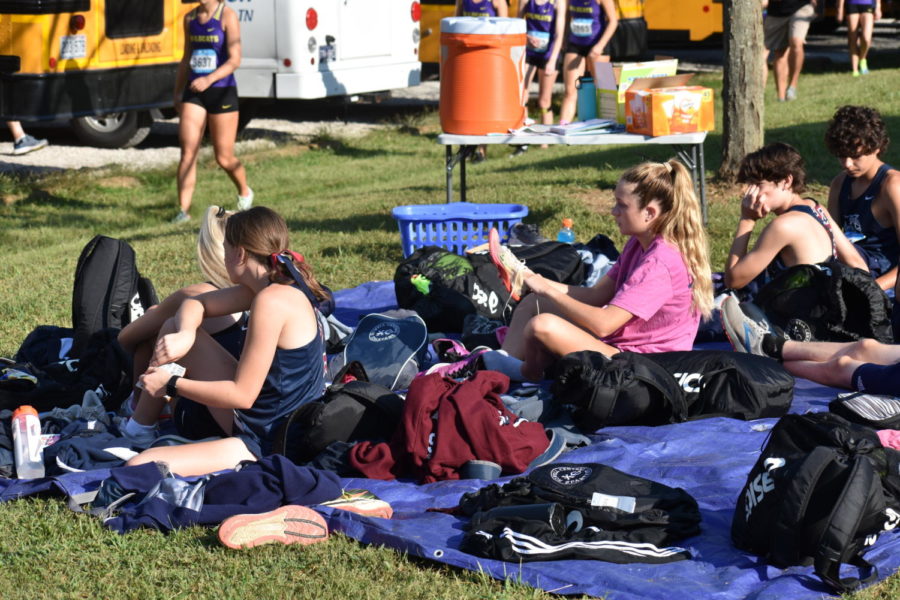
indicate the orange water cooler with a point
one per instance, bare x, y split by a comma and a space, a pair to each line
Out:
482, 67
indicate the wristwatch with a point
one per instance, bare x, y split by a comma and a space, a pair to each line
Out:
171, 388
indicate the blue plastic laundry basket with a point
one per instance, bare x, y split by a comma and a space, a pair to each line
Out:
455, 226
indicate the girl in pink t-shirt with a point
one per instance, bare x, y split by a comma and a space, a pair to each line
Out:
650, 301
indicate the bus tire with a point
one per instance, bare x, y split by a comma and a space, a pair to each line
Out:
114, 130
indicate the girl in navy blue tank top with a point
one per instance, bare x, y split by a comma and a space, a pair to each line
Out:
283, 361
206, 94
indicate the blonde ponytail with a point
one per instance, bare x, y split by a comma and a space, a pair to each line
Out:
680, 221
211, 247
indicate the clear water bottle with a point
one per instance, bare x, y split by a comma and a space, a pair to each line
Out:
566, 234
26, 433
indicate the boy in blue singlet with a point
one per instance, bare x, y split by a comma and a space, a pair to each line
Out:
865, 197
802, 232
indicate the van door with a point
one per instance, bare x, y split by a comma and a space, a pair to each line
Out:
259, 58
365, 29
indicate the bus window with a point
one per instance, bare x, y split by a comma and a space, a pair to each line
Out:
30, 7
133, 18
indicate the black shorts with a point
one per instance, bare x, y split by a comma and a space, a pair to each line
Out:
859, 9
536, 61
194, 421
877, 379
216, 100
581, 50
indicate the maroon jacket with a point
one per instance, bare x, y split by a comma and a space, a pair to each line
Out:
448, 423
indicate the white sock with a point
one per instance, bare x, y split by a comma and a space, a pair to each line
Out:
499, 360
135, 430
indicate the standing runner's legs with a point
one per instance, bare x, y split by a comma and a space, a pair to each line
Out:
223, 132
191, 125
573, 68
854, 41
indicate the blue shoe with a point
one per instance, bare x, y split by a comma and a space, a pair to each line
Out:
27, 144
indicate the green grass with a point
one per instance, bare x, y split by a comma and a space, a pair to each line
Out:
336, 195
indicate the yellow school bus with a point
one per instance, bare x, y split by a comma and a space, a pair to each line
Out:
630, 41
430, 29
105, 64
701, 20
683, 20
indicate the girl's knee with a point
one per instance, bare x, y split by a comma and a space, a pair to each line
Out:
865, 347
228, 162
544, 325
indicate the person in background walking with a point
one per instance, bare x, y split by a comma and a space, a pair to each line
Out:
591, 26
206, 93
22, 142
861, 17
786, 25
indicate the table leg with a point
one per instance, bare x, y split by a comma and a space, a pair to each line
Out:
451, 161
449, 164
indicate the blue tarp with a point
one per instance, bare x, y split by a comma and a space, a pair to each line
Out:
709, 458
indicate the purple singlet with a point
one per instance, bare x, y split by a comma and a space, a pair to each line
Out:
208, 47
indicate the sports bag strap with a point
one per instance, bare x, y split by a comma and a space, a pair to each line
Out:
794, 502
843, 525
657, 377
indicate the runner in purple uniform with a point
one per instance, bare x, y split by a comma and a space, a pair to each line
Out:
861, 17
206, 93
481, 8
545, 22
591, 26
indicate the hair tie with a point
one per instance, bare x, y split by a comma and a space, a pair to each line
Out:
274, 258
221, 212
668, 166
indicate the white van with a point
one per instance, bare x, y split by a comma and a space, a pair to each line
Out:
109, 66
320, 48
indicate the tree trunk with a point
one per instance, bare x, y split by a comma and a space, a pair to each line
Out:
743, 85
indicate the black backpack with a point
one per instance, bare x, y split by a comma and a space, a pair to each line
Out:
46, 376
618, 517
729, 384
820, 493
556, 261
873, 410
391, 346
348, 412
829, 302
628, 388
108, 290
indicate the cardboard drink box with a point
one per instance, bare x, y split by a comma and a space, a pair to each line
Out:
667, 105
612, 80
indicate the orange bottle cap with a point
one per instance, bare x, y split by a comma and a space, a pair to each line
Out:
568, 223
25, 409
